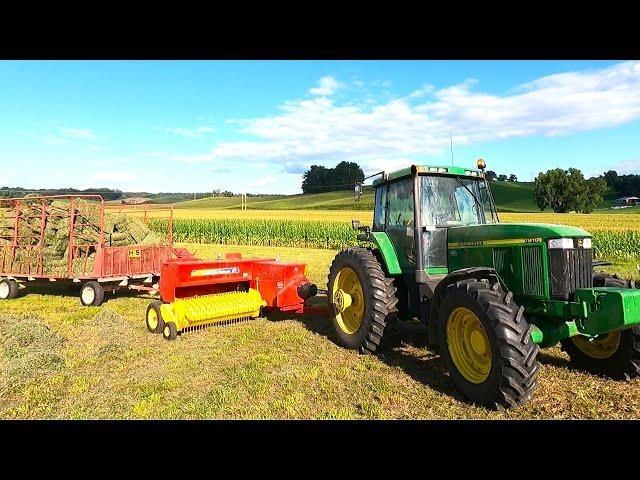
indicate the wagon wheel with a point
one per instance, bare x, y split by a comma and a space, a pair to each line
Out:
92, 294
8, 289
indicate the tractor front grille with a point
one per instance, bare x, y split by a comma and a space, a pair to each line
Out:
569, 269
532, 273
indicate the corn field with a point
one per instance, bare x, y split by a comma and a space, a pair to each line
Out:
260, 232
612, 244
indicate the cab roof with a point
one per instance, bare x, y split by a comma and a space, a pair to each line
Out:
431, 170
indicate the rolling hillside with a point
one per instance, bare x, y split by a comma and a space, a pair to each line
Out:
341, 200
509, 197
514, 197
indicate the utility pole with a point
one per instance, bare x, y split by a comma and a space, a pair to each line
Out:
451, 142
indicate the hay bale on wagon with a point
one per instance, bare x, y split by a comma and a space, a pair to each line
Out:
119, 230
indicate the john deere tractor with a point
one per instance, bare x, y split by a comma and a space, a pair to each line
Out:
491, 294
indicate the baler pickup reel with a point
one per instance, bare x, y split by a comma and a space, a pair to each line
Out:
198, 293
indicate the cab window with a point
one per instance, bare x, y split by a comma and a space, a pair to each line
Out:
380, 213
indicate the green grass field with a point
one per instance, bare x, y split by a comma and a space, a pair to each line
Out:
341, 200
62, 360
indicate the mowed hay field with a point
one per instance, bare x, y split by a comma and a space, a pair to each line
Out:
62, 360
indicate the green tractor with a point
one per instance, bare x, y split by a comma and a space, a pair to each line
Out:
491, 294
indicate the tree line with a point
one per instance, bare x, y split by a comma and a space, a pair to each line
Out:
623, 185
320, 179
492, 176
114, 194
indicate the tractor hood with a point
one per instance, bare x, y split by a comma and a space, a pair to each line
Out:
506, 231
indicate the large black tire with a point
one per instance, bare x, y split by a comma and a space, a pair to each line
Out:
153, 318
512, 375
92, 294
379, 299
8, 289
602, 279
623, 364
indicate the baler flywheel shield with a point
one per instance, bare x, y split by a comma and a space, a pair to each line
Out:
217, 309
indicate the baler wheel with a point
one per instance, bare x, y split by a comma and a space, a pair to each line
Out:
154, 321
8, 289
362, 299
169, 332
615, 355
485, 343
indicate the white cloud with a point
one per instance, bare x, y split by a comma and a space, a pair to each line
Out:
185, 158
193, 132
263, 182
319, 130
326, 86
82, 133
114, 176
53, 140
624, 168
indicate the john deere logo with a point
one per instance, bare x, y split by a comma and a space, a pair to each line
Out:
580, 242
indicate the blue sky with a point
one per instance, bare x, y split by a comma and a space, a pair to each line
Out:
255, 126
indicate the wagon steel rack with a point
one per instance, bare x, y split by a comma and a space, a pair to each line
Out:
23, 260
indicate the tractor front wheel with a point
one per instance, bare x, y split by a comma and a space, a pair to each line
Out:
615, 354
486, 345
362, 300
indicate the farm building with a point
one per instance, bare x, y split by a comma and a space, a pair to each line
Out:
135, 201
630, 201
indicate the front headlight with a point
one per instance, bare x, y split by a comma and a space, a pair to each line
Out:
586, 243
557, 243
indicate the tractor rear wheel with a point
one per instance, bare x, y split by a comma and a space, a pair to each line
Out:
362, 299
602, 279
486, 345
615, 354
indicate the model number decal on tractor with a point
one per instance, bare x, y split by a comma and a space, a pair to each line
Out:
215, 271
135, 253
487, 243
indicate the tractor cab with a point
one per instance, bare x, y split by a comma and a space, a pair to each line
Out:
446, 197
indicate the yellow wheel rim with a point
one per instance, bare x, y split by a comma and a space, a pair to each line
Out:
468, 345
152, 319
599, 348
348, 300
167, 332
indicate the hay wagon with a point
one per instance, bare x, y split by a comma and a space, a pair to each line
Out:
61, 239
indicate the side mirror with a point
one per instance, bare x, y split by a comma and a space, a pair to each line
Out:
357, 192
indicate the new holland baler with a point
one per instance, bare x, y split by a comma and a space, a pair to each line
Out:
196, 293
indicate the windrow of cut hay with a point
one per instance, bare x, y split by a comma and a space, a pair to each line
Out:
41, 230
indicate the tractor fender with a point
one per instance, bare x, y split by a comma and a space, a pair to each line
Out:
387, 252
453, 277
